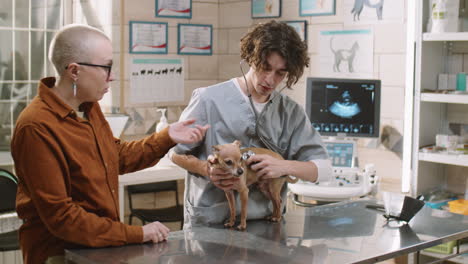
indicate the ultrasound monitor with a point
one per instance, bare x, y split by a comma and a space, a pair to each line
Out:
344, 107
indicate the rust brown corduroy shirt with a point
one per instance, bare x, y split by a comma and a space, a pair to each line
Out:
68, 171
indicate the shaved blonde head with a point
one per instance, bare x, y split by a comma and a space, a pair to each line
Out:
74, 43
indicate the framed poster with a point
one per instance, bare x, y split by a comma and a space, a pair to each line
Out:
195, 39
266, 8
174, 8
300, 26
316, 7
148, 37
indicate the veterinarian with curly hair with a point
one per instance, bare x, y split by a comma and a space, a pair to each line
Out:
252, 109
68, 161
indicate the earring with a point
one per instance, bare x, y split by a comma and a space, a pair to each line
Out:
74, 89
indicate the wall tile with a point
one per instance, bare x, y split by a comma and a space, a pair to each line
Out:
215, 41
172, 39
389, 38
376, 66
203, 67
392, 69
205, 13
223, 41
234, 37
229, 67
392, 102
236, 14
143, 11
290, 11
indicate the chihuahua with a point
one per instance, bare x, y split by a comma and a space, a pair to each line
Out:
233, 159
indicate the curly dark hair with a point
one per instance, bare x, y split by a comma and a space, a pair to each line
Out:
274, 36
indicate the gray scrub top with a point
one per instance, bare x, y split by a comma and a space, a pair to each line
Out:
282, 126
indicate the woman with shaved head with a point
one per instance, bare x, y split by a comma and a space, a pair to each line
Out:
68, 162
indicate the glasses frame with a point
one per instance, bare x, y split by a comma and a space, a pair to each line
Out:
108, 67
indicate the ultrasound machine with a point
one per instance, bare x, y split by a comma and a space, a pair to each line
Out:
342, 110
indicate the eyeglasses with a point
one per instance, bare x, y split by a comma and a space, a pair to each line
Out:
107, 67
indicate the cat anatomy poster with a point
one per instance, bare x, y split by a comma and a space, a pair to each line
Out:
373, 11
346, 53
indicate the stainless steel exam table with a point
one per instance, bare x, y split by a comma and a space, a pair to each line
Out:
344, 232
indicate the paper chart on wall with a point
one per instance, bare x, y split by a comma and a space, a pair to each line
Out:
156, 80
148, 37
346, 53
373, 11
195, 39
174, 8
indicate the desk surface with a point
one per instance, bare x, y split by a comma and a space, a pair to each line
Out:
345, 232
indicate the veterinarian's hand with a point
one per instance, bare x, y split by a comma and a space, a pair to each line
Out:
181, 132
155, 232
222, 179
266, 166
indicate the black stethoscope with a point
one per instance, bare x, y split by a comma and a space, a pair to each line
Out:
265, 141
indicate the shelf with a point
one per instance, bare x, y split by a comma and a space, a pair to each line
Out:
451, 159
449, 36
445, 98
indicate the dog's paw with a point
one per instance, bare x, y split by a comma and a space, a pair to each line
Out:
241, 227
272, 218
275, 219
229, 224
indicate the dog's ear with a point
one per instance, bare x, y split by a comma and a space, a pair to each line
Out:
237, 142
216, 148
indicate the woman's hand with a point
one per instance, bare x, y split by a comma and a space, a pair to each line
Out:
181, 132
155, 232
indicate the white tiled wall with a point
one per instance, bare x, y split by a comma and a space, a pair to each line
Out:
232, 18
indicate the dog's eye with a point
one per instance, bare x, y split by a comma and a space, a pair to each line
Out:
229, 162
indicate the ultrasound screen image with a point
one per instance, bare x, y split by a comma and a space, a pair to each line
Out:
344, 106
